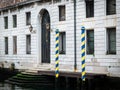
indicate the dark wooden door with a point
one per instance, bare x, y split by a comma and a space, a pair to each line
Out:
45, 38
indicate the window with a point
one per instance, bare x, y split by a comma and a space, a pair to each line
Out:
89, 8
6, 45
14, 21
14, 44
28, 18
56, 0
90, 41
28, 44
62, 42
111, 40
6, 22
62, 13
111, 7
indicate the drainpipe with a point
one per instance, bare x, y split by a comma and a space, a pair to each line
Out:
75, 61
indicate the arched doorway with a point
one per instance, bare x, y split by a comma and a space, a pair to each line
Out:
45, 37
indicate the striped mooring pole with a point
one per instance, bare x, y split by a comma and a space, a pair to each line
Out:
57, 55
83, 52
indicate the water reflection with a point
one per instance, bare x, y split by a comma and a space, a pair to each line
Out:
5, 86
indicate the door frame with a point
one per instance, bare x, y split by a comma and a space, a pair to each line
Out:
43, 11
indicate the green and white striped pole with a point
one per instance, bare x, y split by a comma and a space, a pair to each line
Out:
57, 55
83, 52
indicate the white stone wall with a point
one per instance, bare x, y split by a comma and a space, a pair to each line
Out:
99, 63
21, 59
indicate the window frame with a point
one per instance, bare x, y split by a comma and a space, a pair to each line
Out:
62, 42
6, 46
6, 22
14, 21
14, 45
61, 9
108, 12
28, 18
109, 52
87, 51
89, 7
28, 44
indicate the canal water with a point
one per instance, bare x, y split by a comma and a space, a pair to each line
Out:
6, 86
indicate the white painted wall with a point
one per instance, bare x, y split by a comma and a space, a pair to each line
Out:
99, 63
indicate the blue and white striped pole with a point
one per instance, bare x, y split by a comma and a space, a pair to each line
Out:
57, 55
83, 52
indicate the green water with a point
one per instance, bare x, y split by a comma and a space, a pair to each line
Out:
6, 86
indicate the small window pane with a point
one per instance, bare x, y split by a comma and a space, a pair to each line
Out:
6, 22
62, 43
6, 45
62, 13
89, 8
28, 18
28, 44
111, 7
15, 45
111, 40
90, 41
14, 21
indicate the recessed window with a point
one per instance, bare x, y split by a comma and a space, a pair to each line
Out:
62, 43
62, 15
28, 18
6, 22
111, 40
89, 8
28, 44
14, 44
14, 21
110, 7
90, 41
6, 45
56, 0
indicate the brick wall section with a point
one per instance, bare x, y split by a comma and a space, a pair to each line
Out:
4, 3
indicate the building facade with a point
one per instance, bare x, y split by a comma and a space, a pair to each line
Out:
27, 34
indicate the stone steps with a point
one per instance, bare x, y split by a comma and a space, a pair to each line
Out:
31, 79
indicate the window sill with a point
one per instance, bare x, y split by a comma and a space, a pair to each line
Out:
90, 55
62, 21
14, 27
62, 54
89, 17
6, 54
111, 54
110, 14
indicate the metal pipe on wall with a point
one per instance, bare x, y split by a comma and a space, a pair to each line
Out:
75, 55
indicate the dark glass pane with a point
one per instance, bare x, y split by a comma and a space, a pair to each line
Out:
111, 40
62, 43
61, 13
90, 8
28, 18
111, 7
90, 41
6, 45
15, 45
6, 22
28, 44
14, 20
